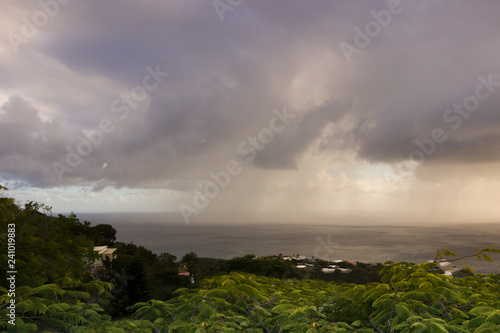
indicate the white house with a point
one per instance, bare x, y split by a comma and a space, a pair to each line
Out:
103, 252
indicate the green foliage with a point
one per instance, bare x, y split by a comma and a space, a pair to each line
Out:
243, 302
48, 248
189, 260
55, 306
411, 298
55, 294
480, 254
263, 266
139, 275
7, 207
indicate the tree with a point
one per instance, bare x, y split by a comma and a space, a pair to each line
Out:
167, 259
7, 207
47, 247
190, 259
107, 234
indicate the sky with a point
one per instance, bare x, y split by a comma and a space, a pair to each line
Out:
240, 107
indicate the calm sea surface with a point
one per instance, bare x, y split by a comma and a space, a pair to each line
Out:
341, 240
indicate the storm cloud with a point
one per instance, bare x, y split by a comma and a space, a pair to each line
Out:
85, 72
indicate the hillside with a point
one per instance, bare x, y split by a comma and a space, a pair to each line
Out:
49, 288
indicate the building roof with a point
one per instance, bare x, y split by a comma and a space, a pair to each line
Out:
99, 248
328, 270
104, 250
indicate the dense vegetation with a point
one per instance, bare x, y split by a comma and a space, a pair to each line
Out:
141, 291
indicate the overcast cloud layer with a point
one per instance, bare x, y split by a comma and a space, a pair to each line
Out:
355, 116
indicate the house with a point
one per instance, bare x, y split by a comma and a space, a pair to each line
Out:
333, 268
186, 273
103, 252
444, 264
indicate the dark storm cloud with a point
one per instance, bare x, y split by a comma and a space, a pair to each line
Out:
283, 151
412, 74
468, 135
27, 144
226, 78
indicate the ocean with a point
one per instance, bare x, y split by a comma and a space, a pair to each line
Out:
344, 239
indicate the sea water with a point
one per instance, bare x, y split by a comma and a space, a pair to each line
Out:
341, 239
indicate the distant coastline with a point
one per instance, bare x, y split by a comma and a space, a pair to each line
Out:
342, 240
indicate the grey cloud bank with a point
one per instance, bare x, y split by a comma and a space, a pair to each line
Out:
61, 94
